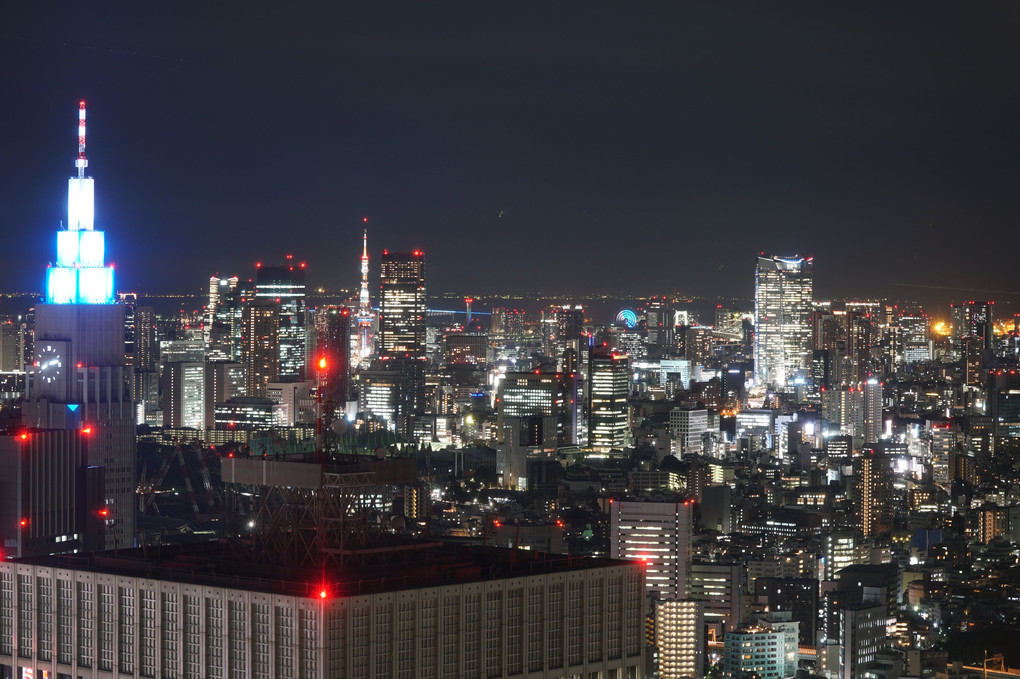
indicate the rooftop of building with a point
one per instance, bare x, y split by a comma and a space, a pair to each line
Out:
390, 565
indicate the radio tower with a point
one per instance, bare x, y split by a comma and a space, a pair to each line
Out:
365, 306
81, 163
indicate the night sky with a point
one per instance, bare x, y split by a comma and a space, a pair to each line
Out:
611, 147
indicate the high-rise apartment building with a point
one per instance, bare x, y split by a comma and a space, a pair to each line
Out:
608, 390
765, 649
783, 299
873, 493
872, 410
261, 345
680, 638
659, 535
79, 379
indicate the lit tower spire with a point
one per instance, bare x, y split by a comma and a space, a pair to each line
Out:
365, 305
364, 309
80, 275
82, 162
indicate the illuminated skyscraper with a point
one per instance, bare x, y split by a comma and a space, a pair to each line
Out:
285, 286
261, 342
184, 400
973, 319
79, 378
526, 407
608, 424
915, 345
402, 330
782, 304
332, 335
658, 534
222, 328
402, 305
873, 494
872, 410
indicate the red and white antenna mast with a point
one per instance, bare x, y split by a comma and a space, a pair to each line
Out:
81, 163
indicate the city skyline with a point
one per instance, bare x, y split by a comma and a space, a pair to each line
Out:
569, 152
276, 483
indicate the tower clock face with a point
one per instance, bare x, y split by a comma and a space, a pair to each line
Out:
49, 363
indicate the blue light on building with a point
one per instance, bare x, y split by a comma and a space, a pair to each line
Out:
80, 275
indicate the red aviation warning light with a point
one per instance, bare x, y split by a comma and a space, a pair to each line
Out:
322, 363
103, 513
23, 523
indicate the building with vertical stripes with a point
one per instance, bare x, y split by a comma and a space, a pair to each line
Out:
429, 611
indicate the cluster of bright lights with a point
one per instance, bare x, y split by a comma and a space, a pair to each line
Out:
80, 275
79, 285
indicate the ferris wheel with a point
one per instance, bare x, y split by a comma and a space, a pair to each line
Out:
627, 317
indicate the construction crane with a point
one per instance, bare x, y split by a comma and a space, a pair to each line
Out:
187, 480
150, 499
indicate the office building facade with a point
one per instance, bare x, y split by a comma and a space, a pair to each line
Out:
102, 617
284, 286
658, 534
783, 300
608, 390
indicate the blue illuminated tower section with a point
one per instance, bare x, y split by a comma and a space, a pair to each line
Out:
79, 378
80, 275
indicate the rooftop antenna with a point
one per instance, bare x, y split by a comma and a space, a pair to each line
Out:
81, 163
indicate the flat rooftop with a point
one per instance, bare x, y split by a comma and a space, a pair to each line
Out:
392, 566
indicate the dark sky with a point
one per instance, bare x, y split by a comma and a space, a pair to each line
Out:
571, 147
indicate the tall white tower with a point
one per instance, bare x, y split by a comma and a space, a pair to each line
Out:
365, 315
79, 378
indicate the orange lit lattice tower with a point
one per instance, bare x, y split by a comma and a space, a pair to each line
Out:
365, 315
